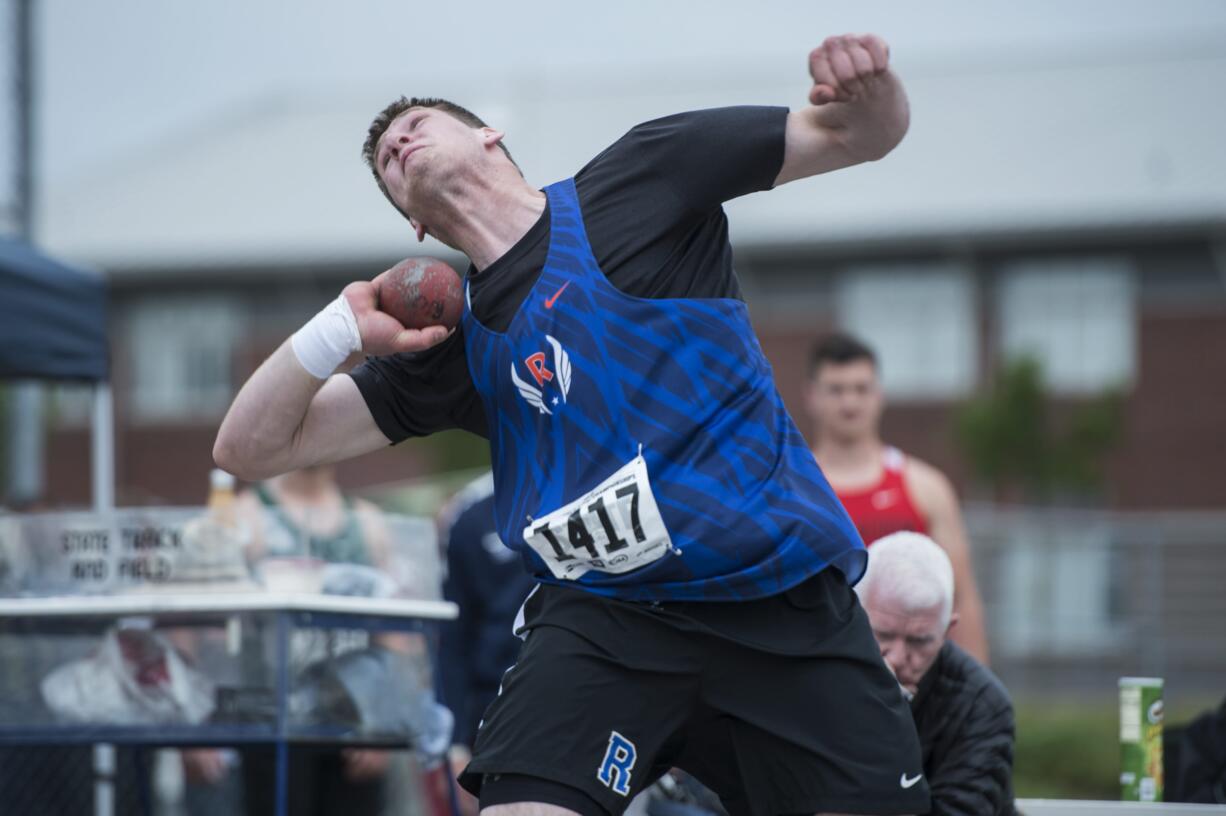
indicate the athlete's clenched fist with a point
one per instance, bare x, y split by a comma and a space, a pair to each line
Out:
845, 67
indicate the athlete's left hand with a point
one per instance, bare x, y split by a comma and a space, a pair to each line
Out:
845, 67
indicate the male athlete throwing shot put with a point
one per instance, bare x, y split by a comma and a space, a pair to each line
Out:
694, 606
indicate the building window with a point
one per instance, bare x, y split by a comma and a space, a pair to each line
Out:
920, 319
1059, 589
181, 351
1076, 317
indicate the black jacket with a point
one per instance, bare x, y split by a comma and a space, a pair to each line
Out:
1195, 759
965, 722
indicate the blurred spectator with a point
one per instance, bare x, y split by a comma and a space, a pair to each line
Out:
304, 514
962, 712
304, 518
883, 490
489, 583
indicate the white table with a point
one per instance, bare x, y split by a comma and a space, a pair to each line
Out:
166, 602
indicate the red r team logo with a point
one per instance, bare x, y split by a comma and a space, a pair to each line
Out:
536, 367
534, 395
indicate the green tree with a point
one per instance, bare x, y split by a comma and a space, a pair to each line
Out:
1017, 438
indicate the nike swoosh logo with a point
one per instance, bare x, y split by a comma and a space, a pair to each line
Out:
550, 301
904, 782
883, 499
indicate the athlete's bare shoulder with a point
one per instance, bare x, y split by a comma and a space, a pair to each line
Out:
928, 486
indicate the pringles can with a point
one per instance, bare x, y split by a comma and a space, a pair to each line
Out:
1141, 712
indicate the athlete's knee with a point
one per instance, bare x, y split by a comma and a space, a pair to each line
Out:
527, 809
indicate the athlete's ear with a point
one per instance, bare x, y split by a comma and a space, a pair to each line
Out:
419, 229
491, 137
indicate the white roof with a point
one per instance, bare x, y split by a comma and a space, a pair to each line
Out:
1112, 140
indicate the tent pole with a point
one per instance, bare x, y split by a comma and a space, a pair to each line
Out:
102, 435
25, 436
102, 463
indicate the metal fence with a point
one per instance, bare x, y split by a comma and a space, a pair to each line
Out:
1075, 599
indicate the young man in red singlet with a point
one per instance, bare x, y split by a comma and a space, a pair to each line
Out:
884, 490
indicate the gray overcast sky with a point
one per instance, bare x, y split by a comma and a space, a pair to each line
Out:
118, 75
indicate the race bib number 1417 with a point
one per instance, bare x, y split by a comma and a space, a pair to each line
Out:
615, 528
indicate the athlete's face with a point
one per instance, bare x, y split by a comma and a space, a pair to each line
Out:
422, 151
909, 638
845, 399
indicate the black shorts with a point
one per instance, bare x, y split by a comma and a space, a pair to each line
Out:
781, 705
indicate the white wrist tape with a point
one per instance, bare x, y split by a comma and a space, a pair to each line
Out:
327, 339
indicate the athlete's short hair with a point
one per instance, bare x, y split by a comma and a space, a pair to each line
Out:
389, 114
913, 570
839, 348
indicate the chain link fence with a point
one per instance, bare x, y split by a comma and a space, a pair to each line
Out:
1076, 599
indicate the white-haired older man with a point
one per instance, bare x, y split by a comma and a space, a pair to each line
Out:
962, 712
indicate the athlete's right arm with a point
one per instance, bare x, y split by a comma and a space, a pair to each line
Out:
286, 417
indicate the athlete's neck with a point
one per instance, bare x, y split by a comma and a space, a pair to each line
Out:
844, 459
486, 215
307, 486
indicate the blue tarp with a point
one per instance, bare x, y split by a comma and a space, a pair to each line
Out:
52, 318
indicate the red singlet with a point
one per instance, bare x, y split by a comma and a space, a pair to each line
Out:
886, 507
